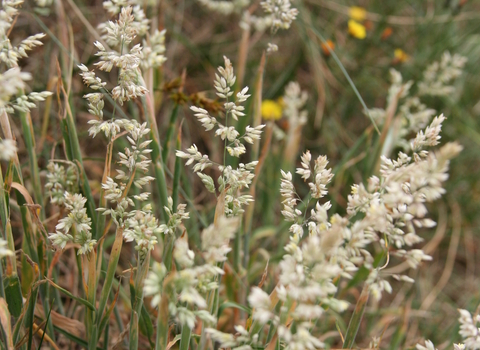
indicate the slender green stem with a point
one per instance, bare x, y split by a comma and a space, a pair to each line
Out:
112, 266
142, 269
157, 162
92, 288
30, 316
170, 130
177, 172
167, 252
164, 315
2, 293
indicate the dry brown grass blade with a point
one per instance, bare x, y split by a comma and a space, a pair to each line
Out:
264, 276
119, 341
38, 329
257, 112
273, 343
46, 113
172, 343
220, 208
5, 322
242, 57
70, 325
32, 206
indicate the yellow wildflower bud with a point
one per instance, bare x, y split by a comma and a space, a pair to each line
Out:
356, 29
357, 13
271, 110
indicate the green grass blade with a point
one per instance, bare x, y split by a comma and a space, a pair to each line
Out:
185, 338
177, 171
356, 319
170, 130
29, 138
74, 338
112, 266
45, 329
66, 292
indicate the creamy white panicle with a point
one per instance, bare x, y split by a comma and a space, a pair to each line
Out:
469, 330
233, 180
412, 115
61, 180
75, 227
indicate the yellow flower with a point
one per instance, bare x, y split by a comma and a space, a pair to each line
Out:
400, 55
356, 29
357, 13
271, 110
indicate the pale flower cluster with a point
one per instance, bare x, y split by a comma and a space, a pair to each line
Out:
119, 35
143, 228
282, 12
134, 160
439, 76
12, 81
387, 212
191, 281
278, 13
127, 60
232, 180
75, 227
293, 103
10, 54
225, 7
412, 115
61, 180
175, 218
469, 330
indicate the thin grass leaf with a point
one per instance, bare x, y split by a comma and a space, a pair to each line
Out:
185, 337
105, 319
137, 305
74, 338
112, 266
177, 170
5, 322
44, 330
356, 319
66, 292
